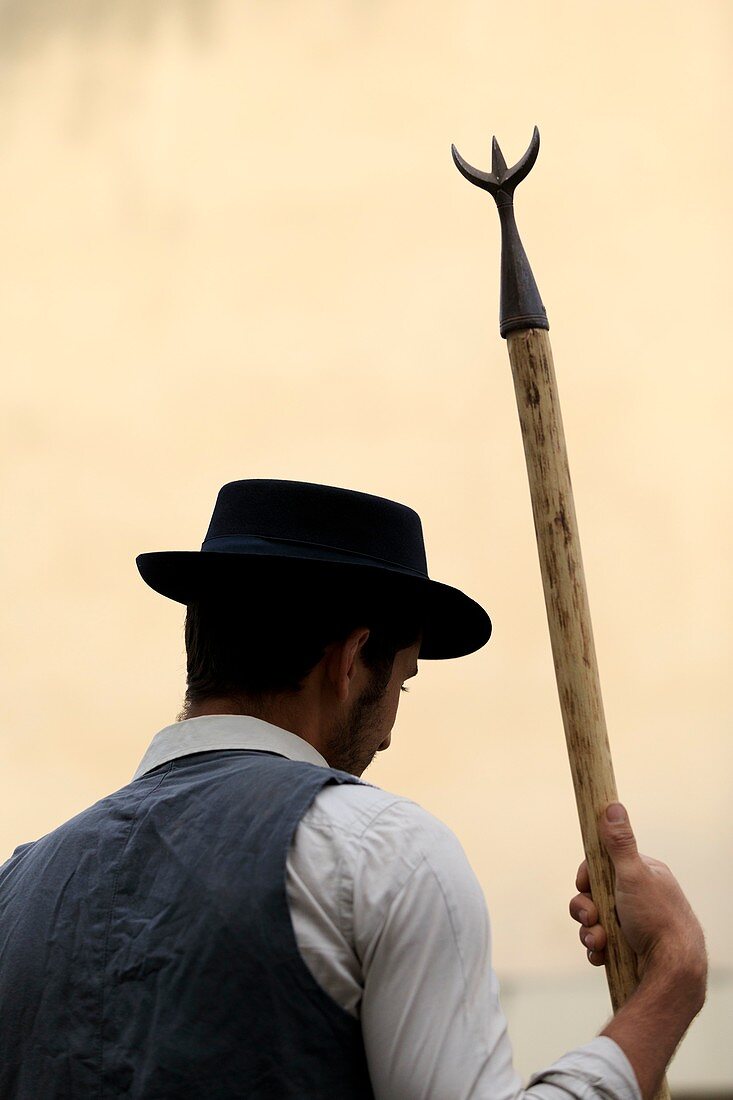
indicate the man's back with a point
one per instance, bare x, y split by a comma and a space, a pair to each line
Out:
147, 950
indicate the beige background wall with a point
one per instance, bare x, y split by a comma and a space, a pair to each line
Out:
234, 245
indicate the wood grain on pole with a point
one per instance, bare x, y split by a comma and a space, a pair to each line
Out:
571, 634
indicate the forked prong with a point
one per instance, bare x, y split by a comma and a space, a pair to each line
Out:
498, 164
500, 178
523, 167
473, 175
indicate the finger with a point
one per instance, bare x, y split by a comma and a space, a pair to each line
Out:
583, 910
582, 879
593, 938
597, 958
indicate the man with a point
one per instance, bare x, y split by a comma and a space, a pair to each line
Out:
248, 918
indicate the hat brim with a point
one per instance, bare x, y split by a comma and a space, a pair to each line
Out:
454, 624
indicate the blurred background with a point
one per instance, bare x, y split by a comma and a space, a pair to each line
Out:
234, 245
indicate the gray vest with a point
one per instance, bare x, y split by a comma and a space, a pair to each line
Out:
147, 950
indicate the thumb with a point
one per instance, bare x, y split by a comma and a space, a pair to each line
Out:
618, 836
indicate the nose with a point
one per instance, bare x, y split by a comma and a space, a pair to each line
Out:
386, 743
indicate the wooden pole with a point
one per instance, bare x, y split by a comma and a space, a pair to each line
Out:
571, 632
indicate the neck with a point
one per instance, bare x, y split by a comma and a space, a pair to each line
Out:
286, 712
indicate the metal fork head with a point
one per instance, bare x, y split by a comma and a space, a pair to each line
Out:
500, 181
521, 306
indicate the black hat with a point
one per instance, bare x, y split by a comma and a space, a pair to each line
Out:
280, 526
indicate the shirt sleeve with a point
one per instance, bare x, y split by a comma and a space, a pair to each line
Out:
432, 1023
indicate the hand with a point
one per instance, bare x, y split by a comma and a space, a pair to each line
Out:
653, 912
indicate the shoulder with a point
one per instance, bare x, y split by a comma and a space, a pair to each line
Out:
382, 825
384, 862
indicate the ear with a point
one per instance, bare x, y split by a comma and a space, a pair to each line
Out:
342, 662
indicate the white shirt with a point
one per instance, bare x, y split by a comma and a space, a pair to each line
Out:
392, 922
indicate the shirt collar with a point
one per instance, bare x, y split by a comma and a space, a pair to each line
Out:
225, 731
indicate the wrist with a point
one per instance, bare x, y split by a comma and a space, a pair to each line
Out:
652, 1023
677, 998
677, 975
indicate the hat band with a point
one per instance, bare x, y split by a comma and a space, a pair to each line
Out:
263, 545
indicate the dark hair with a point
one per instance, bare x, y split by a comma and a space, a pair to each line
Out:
265, 640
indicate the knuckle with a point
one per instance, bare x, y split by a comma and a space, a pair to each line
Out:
624, 839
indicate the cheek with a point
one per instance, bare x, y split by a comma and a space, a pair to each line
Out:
392, 707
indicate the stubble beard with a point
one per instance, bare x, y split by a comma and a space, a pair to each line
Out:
353, 742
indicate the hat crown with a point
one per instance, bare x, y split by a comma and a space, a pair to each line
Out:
321, 516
